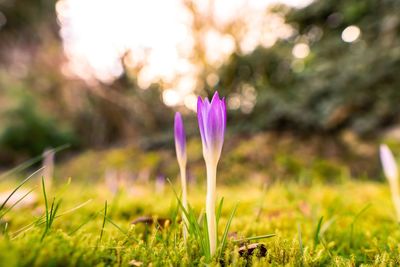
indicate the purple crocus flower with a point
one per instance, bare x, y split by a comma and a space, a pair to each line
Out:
180, 139
212, 124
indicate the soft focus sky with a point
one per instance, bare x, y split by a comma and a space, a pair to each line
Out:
160, 38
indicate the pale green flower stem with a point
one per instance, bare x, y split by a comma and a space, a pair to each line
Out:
210, 205
182, 168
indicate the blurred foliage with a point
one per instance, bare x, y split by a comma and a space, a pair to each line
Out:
98, 114
28, 132
128, 164
338, 85
23, 15
261, 158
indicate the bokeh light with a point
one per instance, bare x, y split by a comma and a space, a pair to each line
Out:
301, 50
351, 34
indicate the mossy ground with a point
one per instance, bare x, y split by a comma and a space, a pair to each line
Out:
358, 226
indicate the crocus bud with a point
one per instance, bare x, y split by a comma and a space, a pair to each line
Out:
180, 147
180, 139
212, 124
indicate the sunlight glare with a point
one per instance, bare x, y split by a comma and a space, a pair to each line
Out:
171, 97
156, 38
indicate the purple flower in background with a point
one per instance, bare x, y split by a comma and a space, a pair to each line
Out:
180, 139
389, 165
212, 124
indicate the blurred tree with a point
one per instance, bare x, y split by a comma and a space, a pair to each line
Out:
333, 85
312, 81
31, 62
28, 132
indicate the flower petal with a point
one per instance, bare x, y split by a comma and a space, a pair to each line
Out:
212, 123
180, 136
200, 119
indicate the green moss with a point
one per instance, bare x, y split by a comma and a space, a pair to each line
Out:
287, 210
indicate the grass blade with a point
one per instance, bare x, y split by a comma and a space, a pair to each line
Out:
54, 212
219, 210
179, 200
252, 238
300, 239
104, 222
206, 239
218, 215
16, 203
317, 231
226, 230
116, 226
45, 202
41, 220
355, 220
90, 218
18, 187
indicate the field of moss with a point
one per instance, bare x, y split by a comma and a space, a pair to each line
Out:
118, 207
348, 223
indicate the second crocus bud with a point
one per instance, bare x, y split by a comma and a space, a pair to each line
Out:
180, 148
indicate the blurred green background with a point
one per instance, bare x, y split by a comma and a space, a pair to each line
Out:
313, 85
